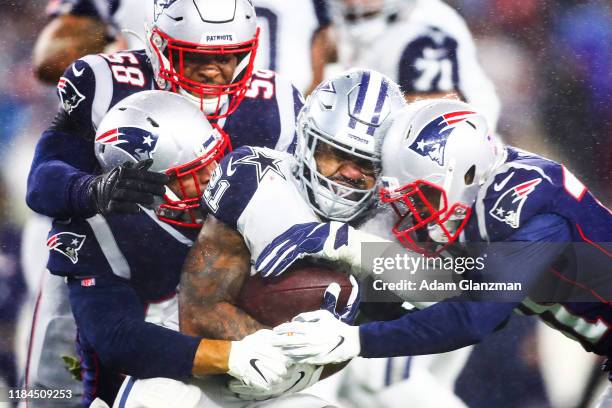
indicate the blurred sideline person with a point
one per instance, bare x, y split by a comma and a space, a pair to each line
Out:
64, 179
294, 37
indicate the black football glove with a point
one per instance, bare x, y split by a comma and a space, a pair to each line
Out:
124, 187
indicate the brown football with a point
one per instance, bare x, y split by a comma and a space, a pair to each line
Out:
300, 289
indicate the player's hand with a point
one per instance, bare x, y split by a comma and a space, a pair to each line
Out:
124, 187
318, 338
255, 362
298, 377
309, 239
330, 301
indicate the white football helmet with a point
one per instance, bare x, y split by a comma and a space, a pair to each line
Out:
171, 130
435, 157
351, 114
197, 30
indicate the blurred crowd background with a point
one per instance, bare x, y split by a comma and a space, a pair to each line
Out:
551, 62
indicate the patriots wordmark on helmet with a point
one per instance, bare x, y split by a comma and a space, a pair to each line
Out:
67, 244
69, 94
431, 140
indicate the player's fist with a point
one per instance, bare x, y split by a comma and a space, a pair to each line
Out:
124, 187
257, 363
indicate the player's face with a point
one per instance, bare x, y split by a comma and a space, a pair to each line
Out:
189, 183
344, 168
215, 69
356, 10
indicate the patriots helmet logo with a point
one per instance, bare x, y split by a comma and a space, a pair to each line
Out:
69, 94
67, 244
431, 140
509, 205
138, 143
159, 6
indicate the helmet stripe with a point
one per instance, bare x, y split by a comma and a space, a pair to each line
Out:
382, 95
363, 89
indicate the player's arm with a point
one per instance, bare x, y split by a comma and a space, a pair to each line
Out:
62, 181
212, 276
447, 325
64, 39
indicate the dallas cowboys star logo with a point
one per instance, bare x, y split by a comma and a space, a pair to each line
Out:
262, 162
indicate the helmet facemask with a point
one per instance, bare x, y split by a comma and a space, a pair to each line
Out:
425, 223
333, 199
184, 209
175, 58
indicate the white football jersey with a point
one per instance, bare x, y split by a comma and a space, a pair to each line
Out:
428, 49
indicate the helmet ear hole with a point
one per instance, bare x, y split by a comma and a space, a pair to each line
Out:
152, 122
469, 175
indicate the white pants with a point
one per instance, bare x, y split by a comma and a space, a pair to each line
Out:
210, 392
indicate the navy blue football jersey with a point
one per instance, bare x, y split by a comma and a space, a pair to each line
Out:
527, 186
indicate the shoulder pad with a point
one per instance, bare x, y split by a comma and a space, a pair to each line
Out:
237, 178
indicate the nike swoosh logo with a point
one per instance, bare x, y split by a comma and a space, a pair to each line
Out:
76, 72
253, 362
302, 375
230, 170
501, 184
337, 345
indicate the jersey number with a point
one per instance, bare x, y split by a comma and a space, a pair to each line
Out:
261, 83
215, 190
125, 74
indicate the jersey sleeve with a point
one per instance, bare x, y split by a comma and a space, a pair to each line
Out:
111, 318
64, 157
321, 9
254, 192
512, 197
468, 318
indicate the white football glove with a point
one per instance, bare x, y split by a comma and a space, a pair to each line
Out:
256, 362
334, 241
318, 338
298, 377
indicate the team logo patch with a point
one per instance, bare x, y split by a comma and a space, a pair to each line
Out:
69, 94
67, 244
263, 164
431, 141
137, 142
510, 204
159, 6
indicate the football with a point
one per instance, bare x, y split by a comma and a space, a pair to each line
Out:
300, 289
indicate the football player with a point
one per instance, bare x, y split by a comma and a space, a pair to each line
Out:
293, 35
423, 45
460, 187
123, 269
61, 182
256, 193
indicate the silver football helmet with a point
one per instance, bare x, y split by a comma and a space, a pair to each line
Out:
436, 156
196, 31
171, 130
349, 115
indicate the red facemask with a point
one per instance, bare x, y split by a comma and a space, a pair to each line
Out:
185, 212
177, 52
416, 209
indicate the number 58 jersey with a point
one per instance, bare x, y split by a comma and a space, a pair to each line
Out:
95, 83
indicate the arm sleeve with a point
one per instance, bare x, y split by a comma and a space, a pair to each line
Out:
111, 318
459, 322
64, 159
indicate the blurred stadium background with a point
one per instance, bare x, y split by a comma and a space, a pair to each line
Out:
551, 62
